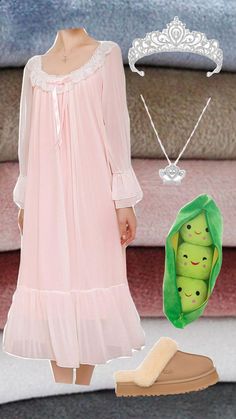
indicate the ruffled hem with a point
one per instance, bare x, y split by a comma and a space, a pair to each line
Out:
19, 191
125, 186
74, 327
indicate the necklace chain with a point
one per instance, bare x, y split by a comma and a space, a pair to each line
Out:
65, 56
189, 139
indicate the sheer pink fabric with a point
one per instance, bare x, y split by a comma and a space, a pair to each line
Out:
23, 139
72, 302
126, 190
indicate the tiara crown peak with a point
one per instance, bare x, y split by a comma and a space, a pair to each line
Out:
175, 38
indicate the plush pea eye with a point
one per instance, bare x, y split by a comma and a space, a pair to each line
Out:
197, 292
185, 256
204, 258
207, 229
189, 226
179, 289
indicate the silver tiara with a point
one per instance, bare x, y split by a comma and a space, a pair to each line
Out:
175, 38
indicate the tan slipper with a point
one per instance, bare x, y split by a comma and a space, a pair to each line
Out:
166, 370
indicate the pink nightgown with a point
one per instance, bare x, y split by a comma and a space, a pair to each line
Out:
72, 303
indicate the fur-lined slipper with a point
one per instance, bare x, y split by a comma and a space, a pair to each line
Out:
166, 370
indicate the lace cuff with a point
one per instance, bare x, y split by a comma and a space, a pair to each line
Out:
126, 191
19, 191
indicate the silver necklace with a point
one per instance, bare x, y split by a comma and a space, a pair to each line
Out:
65, 56
172, 174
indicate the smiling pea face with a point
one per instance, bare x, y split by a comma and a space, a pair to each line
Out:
196, 231
193, 292
194, 261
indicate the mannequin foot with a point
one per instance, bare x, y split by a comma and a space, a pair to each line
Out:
61, 374
84, 374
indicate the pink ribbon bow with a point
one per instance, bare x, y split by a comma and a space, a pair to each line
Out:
59, 121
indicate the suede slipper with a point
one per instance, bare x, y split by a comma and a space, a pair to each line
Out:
166, 370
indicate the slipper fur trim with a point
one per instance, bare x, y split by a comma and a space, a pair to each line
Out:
152, 365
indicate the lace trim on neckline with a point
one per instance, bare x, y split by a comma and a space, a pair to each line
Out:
46, 81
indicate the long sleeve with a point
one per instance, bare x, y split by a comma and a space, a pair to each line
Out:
23, 138
126, 190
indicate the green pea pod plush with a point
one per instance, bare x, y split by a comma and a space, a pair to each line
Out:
193, 259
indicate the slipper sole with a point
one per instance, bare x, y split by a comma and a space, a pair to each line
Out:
130, 389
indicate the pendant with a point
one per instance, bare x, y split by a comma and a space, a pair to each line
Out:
172, 174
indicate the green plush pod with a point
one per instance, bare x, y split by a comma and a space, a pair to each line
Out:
193, 259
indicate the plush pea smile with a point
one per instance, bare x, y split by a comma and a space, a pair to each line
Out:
196, 231
192, 292
194, 261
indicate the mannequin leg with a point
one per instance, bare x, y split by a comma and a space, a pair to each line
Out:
84, 374
61, 374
